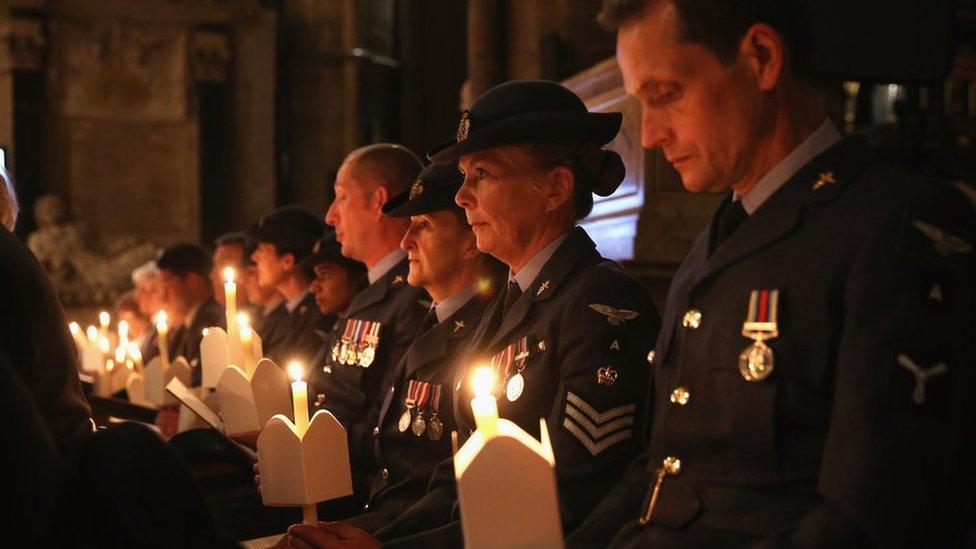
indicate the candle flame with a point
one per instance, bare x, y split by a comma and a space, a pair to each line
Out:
206, 331
104, 319
296, 371
242, 320
129, 364
161, 317
109, 365
134, 351
120, 354
124, 327
482, 381
229, 275
75, 329
103, 345
92, 334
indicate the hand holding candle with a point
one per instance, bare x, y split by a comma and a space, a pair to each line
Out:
483, 404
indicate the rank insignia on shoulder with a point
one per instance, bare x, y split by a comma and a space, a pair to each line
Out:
823, 180
616, 317
922, 375
458, 326
945, 244
595, 430
398, 279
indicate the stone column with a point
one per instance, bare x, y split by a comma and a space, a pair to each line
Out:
486, 66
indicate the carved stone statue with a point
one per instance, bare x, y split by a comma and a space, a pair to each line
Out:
83, 267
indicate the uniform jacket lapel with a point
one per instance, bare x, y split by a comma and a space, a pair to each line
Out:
577, 247
376, 292
781, 213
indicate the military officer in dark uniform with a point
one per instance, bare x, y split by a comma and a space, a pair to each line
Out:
336, 279
815, 359
350, 373
412, 434
285, 237
188, 297
268, 305
569, 336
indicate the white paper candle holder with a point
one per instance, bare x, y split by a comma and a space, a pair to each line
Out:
155, 378
507, 489
217, 353
247, 403
299, 471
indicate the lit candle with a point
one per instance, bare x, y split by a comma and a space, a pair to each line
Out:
247, 343
120, 354
162, 330
109, 365
123, 333
299, 394
92, 333
103, 345
483, 404
103, 321
136, 355
230, 294
75, 330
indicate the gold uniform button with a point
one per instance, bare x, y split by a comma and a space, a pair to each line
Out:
650, 358
385, 474
376, 432
680, 396
692, 319
671, 465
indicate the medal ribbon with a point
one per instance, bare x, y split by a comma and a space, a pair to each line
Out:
373, 336
423, 396
763, 312
411, 393
347, 333
435, 399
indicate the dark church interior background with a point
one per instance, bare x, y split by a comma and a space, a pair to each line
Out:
131, 124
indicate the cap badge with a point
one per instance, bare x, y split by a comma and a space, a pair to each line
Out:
417, 189
464, 126
318, 247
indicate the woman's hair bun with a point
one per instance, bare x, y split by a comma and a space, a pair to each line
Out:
604, 168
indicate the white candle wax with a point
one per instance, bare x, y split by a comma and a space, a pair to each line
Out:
483, 405
299, 393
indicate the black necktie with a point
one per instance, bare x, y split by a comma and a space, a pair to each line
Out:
729, 220
511, 294
429, 322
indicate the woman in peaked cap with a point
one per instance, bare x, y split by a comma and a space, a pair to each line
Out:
569, 335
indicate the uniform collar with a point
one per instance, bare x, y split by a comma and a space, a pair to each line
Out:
449, 306
819, 141
268, 309
384, 265
527, 275
191, 315
292, 304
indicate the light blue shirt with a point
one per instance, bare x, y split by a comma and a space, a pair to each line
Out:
530, 271
384, 265
449, 306
822, 139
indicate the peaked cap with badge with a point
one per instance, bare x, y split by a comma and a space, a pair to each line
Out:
813, 377
570, 348
301, 331
434, 190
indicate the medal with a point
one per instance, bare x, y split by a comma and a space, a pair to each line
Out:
371, 340
404, 422
435, 427
419, 424
756, 362
514, 387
